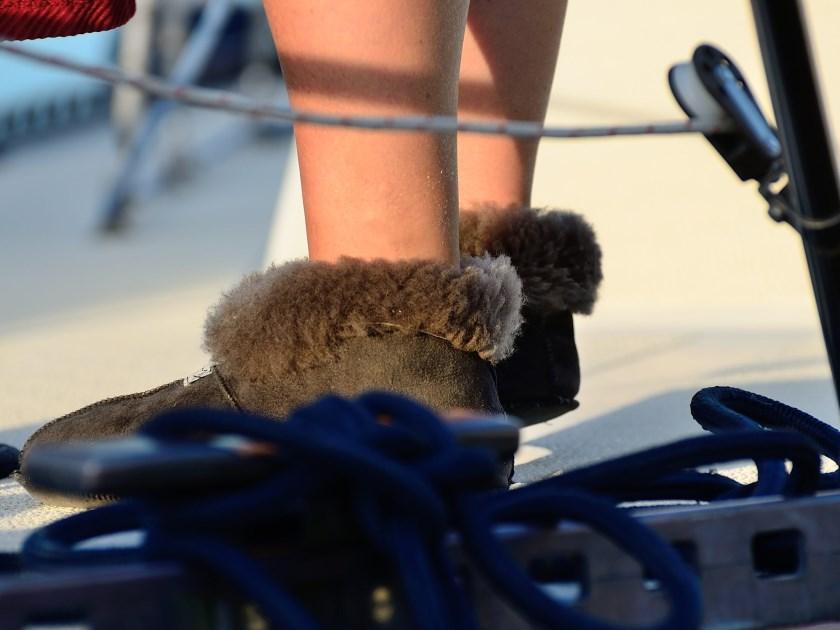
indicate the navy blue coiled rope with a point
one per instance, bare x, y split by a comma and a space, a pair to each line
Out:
408, 484
725, 410
648, 474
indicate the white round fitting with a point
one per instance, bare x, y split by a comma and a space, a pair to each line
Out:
691, 94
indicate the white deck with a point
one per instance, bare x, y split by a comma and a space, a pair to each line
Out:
701, 288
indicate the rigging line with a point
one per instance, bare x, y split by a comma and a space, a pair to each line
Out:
264, 110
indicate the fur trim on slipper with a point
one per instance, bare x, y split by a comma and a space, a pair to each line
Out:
296, 316
554, 252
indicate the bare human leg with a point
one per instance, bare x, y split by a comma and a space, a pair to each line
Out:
510, 52
374, 194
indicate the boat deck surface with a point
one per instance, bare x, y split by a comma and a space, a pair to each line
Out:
701, 287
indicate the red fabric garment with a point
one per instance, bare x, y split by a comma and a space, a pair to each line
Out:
33, 19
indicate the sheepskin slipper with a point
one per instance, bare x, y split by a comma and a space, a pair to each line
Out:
286, 336
558, 260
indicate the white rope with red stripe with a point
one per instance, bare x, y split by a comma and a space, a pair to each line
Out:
265, 110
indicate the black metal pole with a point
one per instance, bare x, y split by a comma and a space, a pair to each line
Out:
808, 157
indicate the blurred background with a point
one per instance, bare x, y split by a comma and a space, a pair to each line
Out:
106, 279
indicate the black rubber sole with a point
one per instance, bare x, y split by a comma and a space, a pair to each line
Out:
536, 411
